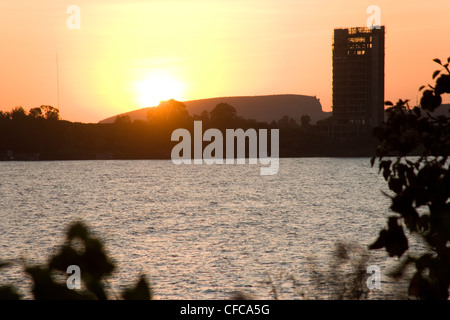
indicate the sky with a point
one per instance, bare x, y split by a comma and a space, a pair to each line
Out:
97, 58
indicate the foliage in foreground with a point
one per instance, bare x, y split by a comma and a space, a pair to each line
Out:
345, 279
421, 187
86, 252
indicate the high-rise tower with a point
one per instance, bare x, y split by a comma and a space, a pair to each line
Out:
358, 81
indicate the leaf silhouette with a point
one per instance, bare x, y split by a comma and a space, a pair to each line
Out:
8, 293
141, 291
436, 73
393, 239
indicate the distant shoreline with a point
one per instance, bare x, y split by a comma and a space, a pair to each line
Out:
169, 159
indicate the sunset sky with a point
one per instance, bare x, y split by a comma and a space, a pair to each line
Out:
131, 54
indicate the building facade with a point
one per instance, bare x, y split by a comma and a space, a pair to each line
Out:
358, 82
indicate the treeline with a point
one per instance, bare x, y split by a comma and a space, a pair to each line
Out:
40, 134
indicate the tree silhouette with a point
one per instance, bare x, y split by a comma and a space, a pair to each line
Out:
18, 114
122, 120
50, 112
170, 112
421, 186
287, 122
305, 121
223, 115
35, 113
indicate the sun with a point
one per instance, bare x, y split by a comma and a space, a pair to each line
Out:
155, 88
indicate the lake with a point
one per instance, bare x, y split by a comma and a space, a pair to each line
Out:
198, 231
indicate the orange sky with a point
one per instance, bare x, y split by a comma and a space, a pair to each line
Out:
128, 54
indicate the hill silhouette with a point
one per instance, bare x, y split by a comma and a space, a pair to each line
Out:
260, 108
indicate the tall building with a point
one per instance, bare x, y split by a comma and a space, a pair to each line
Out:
358, 82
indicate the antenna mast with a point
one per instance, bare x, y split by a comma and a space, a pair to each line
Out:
57, 80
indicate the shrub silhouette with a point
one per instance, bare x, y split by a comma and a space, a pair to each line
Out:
421, 186
346, 276
86, 252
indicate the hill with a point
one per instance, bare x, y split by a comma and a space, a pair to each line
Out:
260, 108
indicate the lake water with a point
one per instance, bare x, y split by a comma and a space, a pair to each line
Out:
197, 231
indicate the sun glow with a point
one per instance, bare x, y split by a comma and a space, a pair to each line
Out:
158, 87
